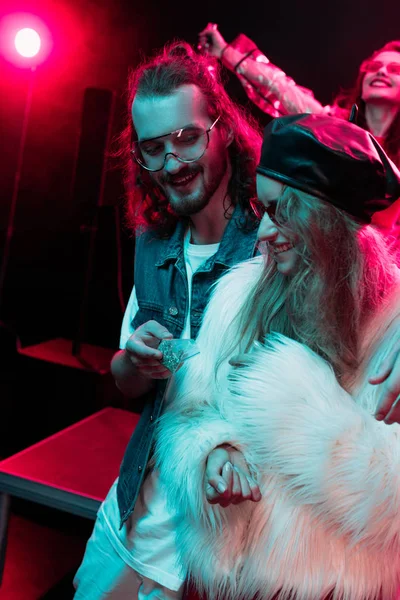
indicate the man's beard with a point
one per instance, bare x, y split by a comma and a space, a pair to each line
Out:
185, 205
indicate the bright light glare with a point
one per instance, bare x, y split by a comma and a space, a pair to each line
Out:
27, 42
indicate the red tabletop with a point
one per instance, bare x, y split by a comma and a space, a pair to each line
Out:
82, 459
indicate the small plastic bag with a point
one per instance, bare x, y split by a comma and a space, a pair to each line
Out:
176, 351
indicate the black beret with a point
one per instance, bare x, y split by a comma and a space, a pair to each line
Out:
332, 159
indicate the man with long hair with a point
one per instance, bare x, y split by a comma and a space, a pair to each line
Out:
190, 155
288, 344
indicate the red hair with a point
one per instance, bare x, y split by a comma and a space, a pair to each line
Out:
346, 98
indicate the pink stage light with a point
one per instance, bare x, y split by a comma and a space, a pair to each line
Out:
27, 42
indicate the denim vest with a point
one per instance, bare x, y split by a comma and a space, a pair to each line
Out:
162, 293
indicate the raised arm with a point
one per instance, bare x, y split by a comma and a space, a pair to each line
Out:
265, 84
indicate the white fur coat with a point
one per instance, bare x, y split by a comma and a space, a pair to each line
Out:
329, 473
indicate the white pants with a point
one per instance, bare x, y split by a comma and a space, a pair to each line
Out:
110, 570
104, 574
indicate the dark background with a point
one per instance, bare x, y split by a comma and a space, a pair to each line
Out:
94, 42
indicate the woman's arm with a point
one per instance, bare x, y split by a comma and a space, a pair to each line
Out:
268, 86
265, 84
328, 452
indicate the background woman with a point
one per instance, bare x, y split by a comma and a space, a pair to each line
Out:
376, 92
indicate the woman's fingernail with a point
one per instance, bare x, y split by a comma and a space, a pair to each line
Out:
221, 487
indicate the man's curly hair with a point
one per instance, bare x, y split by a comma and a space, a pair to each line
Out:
178, 64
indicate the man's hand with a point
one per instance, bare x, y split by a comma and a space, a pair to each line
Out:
227, 478
141, 349
388, 377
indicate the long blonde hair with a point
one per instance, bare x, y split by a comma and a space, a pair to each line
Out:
344, 272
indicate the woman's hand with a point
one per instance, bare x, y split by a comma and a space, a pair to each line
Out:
211, 41
227, 478
388, 377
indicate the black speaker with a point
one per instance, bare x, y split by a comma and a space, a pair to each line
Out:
83, 368
88, 188
95, 131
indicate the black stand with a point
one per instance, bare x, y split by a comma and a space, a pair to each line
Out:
100, 138
17, 179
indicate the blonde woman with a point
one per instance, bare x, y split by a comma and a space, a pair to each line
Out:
280, 389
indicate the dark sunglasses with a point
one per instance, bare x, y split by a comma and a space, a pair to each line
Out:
259, 209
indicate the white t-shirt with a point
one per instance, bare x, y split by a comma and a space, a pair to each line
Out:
150, 545
194, 255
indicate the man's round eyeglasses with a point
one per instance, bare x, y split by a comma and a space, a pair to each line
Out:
188, 144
